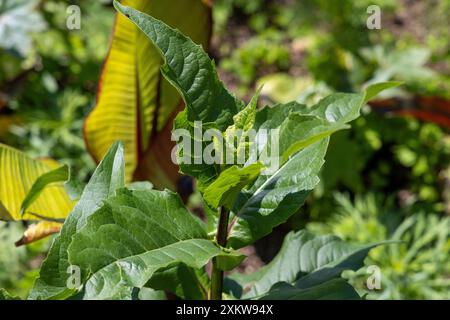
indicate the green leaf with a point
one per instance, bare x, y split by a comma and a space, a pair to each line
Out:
150, 294
184, 282
229, 261
308, 260
374, 89
339, 107
190, 70
117, 280
5, 295
223, 191
300, 131
346, 107
60, 174
336, 289
195, 166
273, 199
107, 178
303, 141
135, 234
245, 119
298, 127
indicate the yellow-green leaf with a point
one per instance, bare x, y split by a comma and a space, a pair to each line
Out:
60, 174
18, 173
134, 102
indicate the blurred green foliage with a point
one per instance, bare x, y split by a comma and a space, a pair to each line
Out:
417, 268
398, 156
19, 265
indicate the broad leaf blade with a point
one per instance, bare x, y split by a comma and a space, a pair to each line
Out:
306, 260
117, 280
336, 289
301, 148
374, 89
272, 199
134, 235
107, 178
189, 69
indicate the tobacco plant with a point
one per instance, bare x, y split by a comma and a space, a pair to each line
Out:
129, 241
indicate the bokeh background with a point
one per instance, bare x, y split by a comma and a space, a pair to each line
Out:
388, 177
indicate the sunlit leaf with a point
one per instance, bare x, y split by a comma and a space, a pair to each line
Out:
191, 71
19, 174
135, 104
134, 235
107, 178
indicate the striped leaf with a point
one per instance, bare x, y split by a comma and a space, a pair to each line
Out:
135, 104
18, 174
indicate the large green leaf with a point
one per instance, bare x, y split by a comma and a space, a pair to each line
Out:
307, 260
118, 279
299, 131
189, 69
303, 140
107, 178
135, 234
346, 107
272, 199
135, 104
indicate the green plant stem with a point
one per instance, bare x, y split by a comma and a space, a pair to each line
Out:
216, 273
